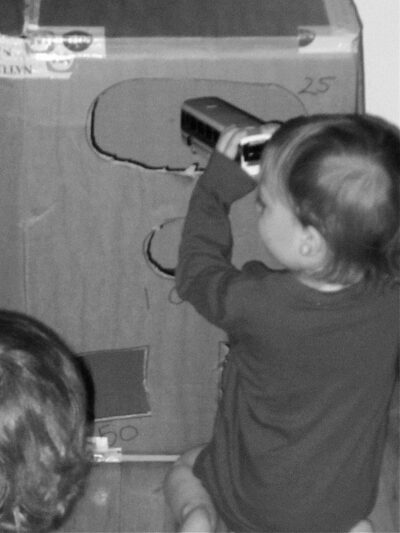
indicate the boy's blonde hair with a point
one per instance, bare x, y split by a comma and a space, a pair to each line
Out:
43, 414
341, 174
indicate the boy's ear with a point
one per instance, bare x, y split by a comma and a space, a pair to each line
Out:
313, 244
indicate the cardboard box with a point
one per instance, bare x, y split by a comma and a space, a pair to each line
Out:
95, 179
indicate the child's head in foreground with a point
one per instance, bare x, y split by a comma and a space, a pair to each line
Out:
339, 175
42, 425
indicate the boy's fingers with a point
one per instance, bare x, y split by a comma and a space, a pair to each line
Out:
270, 127
225, 138
229, 140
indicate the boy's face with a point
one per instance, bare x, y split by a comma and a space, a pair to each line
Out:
280, 230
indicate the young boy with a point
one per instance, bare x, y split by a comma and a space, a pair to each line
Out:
300, 428
43, 413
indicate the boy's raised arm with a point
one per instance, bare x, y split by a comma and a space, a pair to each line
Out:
204, 268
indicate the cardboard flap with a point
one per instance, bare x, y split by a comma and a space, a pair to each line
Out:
11, 17
199, 18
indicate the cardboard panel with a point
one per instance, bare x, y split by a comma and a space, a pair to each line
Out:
119, 382
76, 214
11, 225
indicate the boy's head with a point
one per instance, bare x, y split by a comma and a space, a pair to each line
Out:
43, 462
340, 177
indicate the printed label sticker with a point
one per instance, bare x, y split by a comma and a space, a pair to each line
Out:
49, 52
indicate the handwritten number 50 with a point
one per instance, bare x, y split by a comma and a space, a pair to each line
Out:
126, 433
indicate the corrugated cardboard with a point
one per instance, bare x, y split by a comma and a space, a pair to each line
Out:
93, 167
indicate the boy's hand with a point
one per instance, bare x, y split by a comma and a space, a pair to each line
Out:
229, 141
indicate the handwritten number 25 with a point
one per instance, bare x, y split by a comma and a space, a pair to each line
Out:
317, 86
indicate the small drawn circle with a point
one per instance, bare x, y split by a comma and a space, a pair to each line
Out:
128, 433
174, 298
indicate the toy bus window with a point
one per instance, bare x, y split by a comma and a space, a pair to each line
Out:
140, 121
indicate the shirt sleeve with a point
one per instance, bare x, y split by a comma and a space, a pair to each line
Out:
204, 269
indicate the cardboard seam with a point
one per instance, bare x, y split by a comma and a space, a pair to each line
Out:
31, 15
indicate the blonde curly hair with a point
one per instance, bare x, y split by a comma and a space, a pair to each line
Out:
43, 425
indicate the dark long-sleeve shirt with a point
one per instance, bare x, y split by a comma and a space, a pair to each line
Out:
300, 427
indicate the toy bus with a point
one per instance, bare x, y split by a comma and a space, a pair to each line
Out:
203, 119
